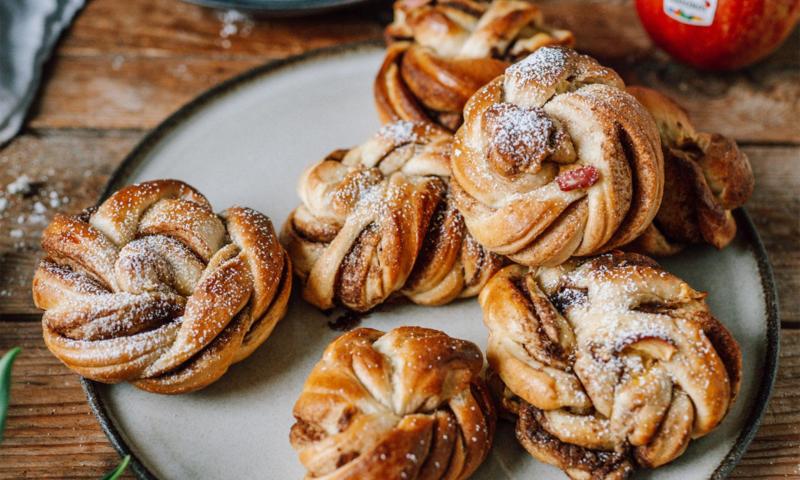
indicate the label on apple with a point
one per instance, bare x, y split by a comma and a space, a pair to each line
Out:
691, 12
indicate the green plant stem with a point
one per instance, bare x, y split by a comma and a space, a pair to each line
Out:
117, 472
5, 386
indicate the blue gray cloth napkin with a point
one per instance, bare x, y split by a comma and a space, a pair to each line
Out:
28, 31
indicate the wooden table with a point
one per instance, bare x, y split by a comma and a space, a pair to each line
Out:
125, 66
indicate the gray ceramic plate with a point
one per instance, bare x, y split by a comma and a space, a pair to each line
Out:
246, 142
278, 7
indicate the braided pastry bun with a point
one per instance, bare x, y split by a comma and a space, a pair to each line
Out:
556, 160
153, 288
706, 175
408, 404
441, 51
609, 364
378, 220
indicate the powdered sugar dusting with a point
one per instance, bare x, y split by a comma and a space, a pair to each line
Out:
372, 380
385, 204
639, 343
22, 185
31, 200
234, 23
544, 66
521, 133
399, 132
155, 276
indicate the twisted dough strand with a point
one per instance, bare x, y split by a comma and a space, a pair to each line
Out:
378, 220
706, 175
556, 160
405, 404
154, 288
608, 364
440, 52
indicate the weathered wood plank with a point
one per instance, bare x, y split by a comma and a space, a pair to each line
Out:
775, 453
774, 208
179, 29
119, 93
128, 66
51, 432
68, 171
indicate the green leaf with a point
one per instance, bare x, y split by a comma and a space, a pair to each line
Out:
117, 472
5, 389
5, 385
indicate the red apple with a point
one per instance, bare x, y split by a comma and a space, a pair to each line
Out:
718, 34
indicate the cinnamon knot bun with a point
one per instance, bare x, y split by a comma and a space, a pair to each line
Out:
608, 364
153, 288
556, 160
408, 404
706, 175
441, 51
378, 220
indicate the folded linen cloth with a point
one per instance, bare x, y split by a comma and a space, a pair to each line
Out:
28, 31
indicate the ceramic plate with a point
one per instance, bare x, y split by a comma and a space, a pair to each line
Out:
246, 142
278, 7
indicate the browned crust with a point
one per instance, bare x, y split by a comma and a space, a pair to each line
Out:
419, 81
379, 221
706, 174
429, 414
551, 115
603, 385
577, 462
115, 312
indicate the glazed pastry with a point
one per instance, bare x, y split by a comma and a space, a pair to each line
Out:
706, 176
408, 404
441, 51
556, 160
153, 288
378, 221
609, 365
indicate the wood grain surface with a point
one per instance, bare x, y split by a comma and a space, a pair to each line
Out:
124, 66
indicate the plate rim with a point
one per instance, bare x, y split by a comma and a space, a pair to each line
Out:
277, 8
137, 155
